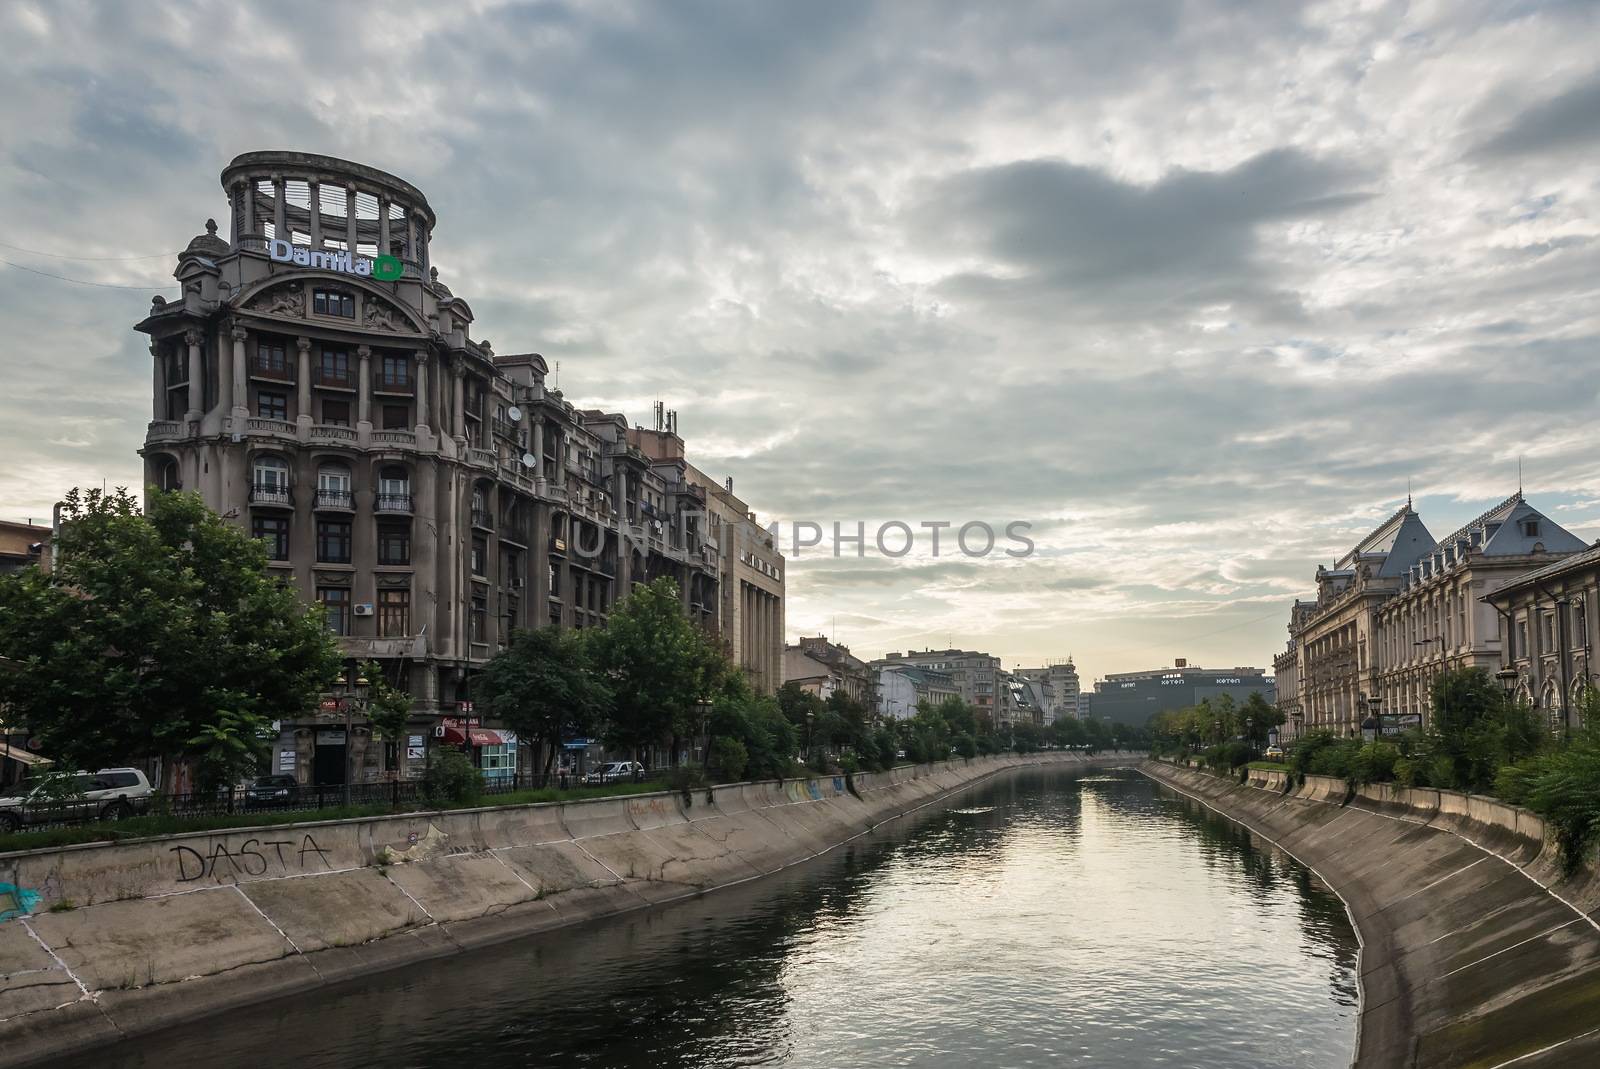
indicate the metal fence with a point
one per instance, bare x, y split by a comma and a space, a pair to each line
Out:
395, 795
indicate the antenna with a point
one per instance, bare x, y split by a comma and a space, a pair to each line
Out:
557, 375
1519, 473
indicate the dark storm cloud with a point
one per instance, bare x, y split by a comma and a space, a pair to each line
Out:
1569, 121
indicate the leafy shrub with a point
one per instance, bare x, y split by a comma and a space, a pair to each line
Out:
451, 779
965, 745
1373, 763
729, 757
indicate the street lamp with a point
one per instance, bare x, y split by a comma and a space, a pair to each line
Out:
358, 694
1375, 707
1508, 680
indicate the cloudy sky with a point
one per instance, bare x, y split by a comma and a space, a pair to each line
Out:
1195, 288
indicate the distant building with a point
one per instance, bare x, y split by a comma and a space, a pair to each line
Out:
901, 688
974, 674
1061, 680
831, 666
1134, 697
22, 544
1549, 637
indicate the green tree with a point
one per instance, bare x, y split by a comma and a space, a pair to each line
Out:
158, 635
545, 686
1476, 729
661, 669
388, 706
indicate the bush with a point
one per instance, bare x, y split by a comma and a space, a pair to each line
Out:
451, 780
965, 745
1373, 763
729, 757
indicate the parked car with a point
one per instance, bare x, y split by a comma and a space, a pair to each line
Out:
66, 797
271, 790
613, 771
1274, 753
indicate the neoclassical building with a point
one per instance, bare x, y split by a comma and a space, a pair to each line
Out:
1548, 616
319, 385
1438, 621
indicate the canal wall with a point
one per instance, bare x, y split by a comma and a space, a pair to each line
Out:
1478, 949
119, 939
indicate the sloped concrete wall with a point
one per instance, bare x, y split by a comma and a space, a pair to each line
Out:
135, 936
1477, 948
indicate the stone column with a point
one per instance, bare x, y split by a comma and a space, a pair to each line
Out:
241, 392
417, 228
364, 388
538, 453
280, 210
350, 234
458, 418
303, 414
383, 226
314, 199
196, 403
249, 207
158, 388
421, 357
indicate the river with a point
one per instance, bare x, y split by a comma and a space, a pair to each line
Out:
1050, 918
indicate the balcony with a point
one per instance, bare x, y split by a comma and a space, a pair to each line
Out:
482, 520
336, 378
163, 430
393, 503
272, 495
512, 531
394, 385
265, 425
402, 438
332, 432
558, 546
271, 371
504, 428
339, 500
483, 458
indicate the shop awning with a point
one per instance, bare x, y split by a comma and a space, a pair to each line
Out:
22, 756
474, 736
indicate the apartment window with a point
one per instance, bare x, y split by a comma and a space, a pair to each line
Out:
1580, 626
272, 405
1547, 632
274, 531
335, 601
512, 606
480, 556
555, 581
333, 303
333, 541
478, 619
272, 359
333, 487
270, 473
394, 543
336, 413
333, 367
394, 613
167, 476
396, 417
394, 372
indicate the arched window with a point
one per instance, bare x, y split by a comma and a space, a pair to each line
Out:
333, 487
394, 489
270, 473
167, 475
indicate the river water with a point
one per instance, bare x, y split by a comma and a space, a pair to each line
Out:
1048, 919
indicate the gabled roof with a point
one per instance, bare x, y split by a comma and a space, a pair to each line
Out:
1399, 541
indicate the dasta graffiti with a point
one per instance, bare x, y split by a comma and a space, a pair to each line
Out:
253, 858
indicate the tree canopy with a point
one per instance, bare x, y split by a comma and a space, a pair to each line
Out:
545, 687
157, 635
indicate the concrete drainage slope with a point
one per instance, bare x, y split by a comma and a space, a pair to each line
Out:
119, 939
1477, 950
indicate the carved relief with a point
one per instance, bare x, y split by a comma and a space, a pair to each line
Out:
289, 300
378, 317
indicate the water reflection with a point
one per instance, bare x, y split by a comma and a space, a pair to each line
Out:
1098, 920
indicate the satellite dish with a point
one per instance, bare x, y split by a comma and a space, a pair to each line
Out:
529, 460
515, 413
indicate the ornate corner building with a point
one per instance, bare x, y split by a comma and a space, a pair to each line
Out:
320, 386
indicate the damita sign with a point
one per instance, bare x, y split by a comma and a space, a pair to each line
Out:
382, 268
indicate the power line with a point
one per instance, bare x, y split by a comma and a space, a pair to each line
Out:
83, 282
93, 259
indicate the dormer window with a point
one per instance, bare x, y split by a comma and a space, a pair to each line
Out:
333, 303
1530, 528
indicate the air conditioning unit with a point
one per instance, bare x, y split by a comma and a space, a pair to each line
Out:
517, 582
363, 609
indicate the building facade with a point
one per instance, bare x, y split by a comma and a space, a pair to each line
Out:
1547, 617
974, 674
849, 673
319, 385
22, 544
1061, 679
1134, 697
1438, 620
750, 567
901, 688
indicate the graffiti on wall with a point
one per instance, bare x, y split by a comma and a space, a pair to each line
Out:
16, 901
253, 858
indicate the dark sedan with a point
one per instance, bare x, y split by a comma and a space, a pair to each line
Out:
271, 790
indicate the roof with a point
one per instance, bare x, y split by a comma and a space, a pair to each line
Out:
1589, 558
1400, 540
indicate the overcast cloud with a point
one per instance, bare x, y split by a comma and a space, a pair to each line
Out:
1194, 287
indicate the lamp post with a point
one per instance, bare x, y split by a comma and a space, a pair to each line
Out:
1508, 681
358, 694
1375, 707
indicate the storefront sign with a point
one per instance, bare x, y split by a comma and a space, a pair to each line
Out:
382, 268
330, 738
413, 753
285, 760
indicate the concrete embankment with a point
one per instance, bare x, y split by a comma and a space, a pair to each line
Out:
127, 938
1477, 949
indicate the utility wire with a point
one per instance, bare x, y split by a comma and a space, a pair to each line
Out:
84, 282
95, 259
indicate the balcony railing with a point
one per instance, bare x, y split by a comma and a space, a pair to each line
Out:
272, 372
393, 384
340, 377
482, 518
336, 499
504, 427
393, 503
271, 494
